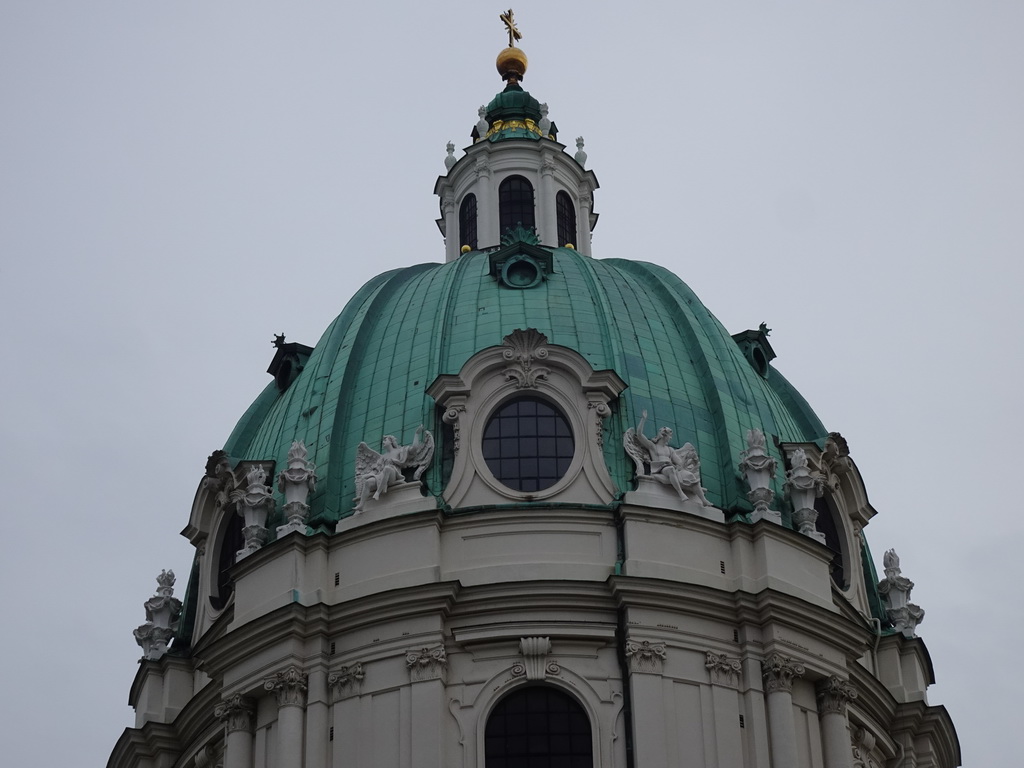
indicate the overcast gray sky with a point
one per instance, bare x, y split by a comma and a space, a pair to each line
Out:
181, 180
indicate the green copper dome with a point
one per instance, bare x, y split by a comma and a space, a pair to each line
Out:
367, 377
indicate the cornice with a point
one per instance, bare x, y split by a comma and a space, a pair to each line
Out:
933, 723
764, 607
143, 746
158, 667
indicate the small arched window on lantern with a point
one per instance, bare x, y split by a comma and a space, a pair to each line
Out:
467, 221
566, 214
515, 204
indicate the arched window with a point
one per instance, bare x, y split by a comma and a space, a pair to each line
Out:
566, 213
515, 204
827, 524
528, 444
232, 540
538, 727
467, 222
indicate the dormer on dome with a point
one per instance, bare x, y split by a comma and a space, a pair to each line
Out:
515, 174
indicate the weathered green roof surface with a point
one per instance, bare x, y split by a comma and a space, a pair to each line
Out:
367, 376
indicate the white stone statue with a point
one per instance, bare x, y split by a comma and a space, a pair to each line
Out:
678, 467
804, 486
759, 469
545, 123
296, 482
580, 156
376, 472
895, 591
482, 126
450, 160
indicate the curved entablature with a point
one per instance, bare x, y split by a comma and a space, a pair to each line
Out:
480, 173
527, 424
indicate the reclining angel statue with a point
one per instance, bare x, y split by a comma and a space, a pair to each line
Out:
376, 472
678, 467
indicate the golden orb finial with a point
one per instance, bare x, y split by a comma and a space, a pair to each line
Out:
466, 249
511, 62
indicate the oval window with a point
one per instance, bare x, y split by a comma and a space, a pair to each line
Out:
528, 444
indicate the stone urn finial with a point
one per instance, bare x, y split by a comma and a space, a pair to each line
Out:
803, 486
759, 469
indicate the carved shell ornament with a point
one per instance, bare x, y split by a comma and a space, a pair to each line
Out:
524, 348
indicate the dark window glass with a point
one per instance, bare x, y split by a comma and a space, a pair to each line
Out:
515, 204
467, 222
538, 727
528, 444
233, 541
566, 219
826, 523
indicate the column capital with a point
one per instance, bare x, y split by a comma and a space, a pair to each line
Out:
236, 713
778, 672
834, 694
289, 687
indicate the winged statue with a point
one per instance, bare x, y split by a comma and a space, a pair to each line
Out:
376, 472
678, 467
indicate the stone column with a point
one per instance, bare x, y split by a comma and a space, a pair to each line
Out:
452, 235
778, 673
317, 721
548, 230
583, 225
486, 205
236, 712
833, 696
290, 689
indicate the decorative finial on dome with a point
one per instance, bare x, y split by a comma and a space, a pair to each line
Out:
511, 62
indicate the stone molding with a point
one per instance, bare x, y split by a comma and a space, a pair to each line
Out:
427, 663
778, 673
289, 687
236, 712
722, 670
346, 681
834, 694
645, 657
535, 664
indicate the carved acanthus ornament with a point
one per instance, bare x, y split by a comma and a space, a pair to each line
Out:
254, 504
482, 167
346, 681
895, 591
289, 687
427, 663
778, 673
645, 656
236, 712
834, 694
524, 349
723, 670
803, 486
535, 664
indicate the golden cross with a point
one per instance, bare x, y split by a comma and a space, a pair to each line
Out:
510, 24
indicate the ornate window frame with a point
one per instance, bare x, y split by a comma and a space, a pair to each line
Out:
526, 364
